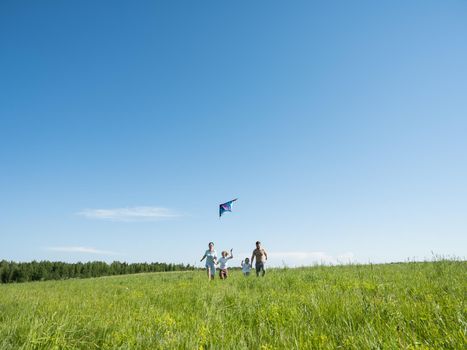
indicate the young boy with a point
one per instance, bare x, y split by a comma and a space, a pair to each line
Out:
223, 264
246, 267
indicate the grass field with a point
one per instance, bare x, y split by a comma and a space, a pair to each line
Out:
394, 306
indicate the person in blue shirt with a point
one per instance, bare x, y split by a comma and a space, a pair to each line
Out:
211, 260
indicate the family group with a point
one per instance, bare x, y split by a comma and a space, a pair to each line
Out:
212, 261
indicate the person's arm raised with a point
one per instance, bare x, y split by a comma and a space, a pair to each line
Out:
231, 254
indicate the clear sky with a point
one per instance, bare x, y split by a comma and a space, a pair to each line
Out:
341, 126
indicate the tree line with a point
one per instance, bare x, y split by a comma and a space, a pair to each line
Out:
11, 271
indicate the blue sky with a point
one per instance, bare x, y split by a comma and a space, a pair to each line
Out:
341, 126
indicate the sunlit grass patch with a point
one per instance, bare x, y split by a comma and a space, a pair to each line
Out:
393, 306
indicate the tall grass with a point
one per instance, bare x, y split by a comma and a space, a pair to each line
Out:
393, 306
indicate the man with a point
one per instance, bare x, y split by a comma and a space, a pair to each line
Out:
261, 257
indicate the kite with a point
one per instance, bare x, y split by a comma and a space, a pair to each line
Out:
226, 207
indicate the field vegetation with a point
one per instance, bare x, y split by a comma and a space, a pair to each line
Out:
391, 306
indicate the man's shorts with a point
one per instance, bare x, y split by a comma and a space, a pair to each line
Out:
259, 267
212, 268
223, 273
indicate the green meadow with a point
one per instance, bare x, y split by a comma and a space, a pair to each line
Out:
390, 306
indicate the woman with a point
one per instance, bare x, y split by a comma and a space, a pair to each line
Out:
211, 260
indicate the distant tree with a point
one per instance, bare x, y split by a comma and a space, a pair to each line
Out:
11, 271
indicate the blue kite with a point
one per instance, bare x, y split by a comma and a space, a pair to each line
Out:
226, 207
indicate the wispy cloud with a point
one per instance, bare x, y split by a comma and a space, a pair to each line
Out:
130, 214
85, 250
306, 258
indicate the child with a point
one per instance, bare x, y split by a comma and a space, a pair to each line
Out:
223, 264
246, 266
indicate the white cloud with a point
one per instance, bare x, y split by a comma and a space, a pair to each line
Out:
130, 214
299, 258
85, 250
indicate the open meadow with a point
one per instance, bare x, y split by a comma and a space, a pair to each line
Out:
392, 306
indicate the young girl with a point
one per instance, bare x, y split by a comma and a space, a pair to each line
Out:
223, 264
211, 260
246, 267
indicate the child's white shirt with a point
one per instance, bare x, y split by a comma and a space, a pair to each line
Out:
223, 262
246, 267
